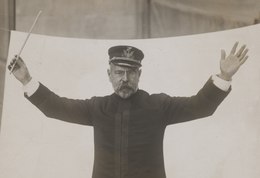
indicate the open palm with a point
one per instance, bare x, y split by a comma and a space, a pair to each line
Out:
229, 65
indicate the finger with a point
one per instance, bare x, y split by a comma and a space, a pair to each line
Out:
20, 62
243, 54
240, 51
15, 58
13, 61
223, 54
243, 60
234, 48
13, 65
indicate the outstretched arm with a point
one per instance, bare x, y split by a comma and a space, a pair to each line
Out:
206, 101
52, 105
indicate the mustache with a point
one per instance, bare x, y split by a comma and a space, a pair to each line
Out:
124, 86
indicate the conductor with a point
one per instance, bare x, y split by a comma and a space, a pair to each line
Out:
129, 124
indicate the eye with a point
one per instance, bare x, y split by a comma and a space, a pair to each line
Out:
132, 72
119, 72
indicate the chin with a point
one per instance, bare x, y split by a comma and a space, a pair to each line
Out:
125, 95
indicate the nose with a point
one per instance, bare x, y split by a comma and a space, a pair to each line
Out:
125, 77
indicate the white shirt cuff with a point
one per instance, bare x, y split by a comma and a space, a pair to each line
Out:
220, 83
31, 87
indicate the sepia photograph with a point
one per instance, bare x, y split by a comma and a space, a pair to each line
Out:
130, 89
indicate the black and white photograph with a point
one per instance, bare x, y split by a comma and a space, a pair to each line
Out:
130, 89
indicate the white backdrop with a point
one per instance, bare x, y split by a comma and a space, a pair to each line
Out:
225, 145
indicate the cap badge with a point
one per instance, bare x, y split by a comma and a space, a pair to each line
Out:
128, 52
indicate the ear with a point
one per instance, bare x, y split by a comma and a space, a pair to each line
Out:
109, 74
140, 72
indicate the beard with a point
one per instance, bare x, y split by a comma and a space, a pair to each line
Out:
125, 90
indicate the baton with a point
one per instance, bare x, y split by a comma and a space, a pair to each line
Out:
28, 35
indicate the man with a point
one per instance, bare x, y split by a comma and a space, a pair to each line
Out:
129, 124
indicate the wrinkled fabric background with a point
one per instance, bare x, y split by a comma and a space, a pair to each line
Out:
225, 145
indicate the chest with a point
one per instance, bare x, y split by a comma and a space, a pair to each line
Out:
129, 122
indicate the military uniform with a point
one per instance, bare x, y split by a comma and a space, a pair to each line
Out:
128, 133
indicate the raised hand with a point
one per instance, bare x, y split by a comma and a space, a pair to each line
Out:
20, 70
229, 65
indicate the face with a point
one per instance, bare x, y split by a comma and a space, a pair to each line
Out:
124, 80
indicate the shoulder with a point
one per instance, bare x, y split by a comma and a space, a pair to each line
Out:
153, 96
156, 99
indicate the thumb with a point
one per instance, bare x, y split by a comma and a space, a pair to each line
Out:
21, 63
223, 54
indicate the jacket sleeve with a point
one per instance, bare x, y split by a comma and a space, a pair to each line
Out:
69, 110
203, 104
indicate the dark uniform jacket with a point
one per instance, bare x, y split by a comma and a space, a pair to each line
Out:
128, 133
